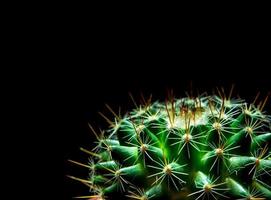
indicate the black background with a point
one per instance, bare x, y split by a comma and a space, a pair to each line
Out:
80, 60
86, 93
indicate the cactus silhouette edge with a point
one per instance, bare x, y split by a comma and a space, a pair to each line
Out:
205, 147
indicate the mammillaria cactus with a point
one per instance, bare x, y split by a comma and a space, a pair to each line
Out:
208, 147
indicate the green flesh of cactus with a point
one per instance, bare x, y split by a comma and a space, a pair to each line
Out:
201, 148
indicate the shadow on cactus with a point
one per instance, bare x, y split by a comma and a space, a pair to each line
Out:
208, 147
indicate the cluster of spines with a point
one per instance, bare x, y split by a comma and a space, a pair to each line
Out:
213, 147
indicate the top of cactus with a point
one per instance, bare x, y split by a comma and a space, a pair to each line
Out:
186, 148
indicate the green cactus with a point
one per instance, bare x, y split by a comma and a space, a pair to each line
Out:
209, 147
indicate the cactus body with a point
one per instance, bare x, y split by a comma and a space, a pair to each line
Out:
190, 148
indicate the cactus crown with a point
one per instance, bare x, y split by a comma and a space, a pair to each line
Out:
209, 147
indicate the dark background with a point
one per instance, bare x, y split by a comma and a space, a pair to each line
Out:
118, 55
86, 93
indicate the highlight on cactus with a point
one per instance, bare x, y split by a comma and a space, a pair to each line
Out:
204, 147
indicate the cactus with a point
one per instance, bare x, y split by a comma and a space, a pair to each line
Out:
208, 147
